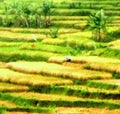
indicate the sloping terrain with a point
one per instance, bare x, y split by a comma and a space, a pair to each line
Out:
36, 76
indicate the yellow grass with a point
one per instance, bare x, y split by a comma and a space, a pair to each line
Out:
62, 22
71, 38
53, 41
54, 97
20, 36
110, 81
2, 64
42, 96
12, 87
75, 110
90, 89
37, 31
79, 110
57, 70
115, 44
29, 79
7, 104
109, 67
78, 35
84, 59
94, 62
16, 112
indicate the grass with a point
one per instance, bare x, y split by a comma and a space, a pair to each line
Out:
114, 44
86, 59
56, 85
105, 84
9, 44
67, 72
106, 52
36, 80
45, 47
15, 53
80, 91
7, 35
7, 104
37, 99
57, 18
7, 87
36, 31
109, 67
76, 110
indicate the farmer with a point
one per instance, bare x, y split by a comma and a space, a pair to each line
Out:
68, 59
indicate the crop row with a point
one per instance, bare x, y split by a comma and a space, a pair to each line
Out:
29, 79
80, 91
58, 70
35, 99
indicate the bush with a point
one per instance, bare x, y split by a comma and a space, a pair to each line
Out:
54, 32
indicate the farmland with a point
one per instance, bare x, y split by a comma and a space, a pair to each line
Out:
59, 57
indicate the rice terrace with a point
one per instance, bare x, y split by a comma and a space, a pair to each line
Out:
59, 56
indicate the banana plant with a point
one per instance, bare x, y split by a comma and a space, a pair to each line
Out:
6, 11
98, 24
15, 11
36, 15
47, 11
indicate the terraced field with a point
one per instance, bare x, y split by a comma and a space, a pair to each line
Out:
70, 74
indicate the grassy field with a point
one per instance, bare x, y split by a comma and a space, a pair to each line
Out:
52, 63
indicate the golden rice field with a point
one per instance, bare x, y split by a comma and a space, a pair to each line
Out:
23, 79
12, 87
78, 110
57, 70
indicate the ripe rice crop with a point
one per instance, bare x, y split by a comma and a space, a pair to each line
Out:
7, 104
57, 70
19, 36
115, 44
109, 67
85, 59
78, 110
43, 96
7, 87
105, 84
29, 79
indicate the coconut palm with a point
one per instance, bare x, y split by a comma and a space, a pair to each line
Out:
98, 24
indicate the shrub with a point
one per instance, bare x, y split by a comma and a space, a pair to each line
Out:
54, 32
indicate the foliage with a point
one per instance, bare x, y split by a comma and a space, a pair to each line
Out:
2, 110
79, 91
46, 11
54, 32
26, 102
26, 14
101, 85
114, 35
106, 52
98, 24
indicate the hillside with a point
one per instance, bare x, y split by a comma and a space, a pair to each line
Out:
55, 61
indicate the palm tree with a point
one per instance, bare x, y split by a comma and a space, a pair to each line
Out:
46, 11
98, 24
